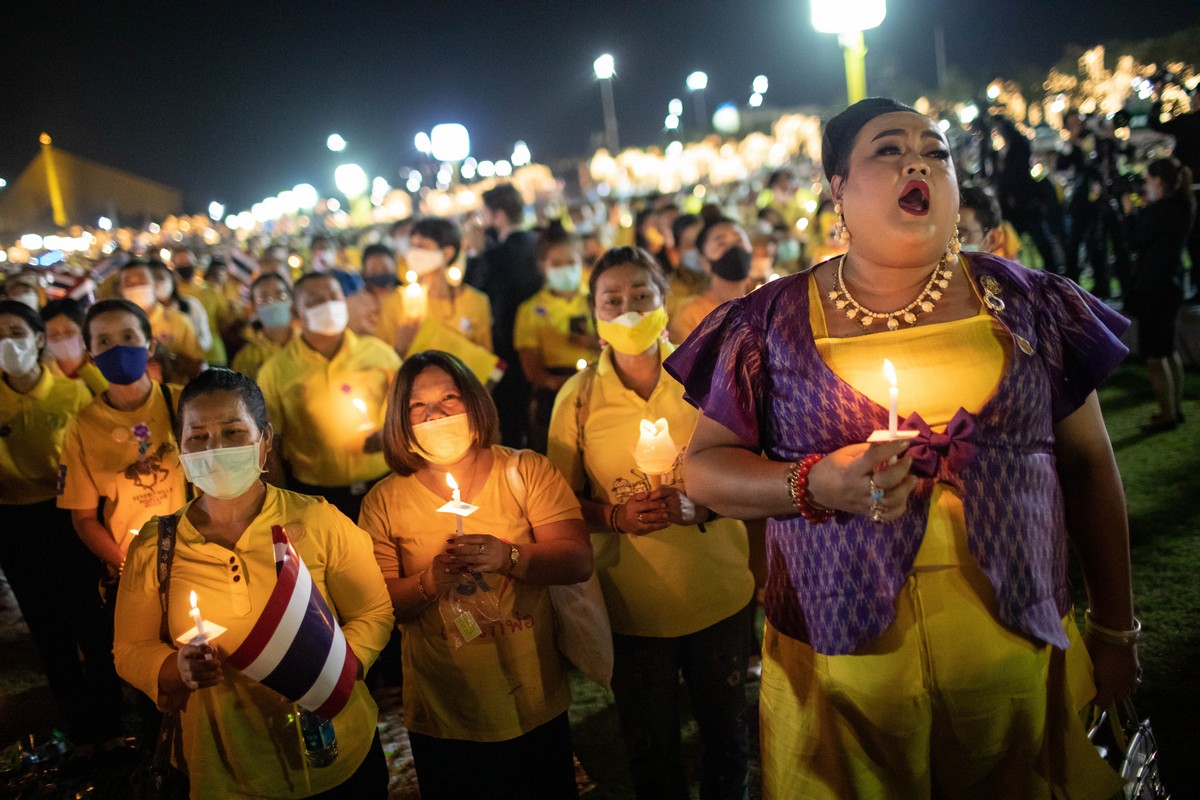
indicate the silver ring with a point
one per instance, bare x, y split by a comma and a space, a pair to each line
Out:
877, 515
876, 492
480, 549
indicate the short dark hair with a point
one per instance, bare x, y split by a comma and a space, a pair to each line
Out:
984, 204
710, 226
682, 223
320, 239
505, 197
552, 235
219, 379
377, 249
620, 256
442, 231
137, 263
407, 222
309, 277
115, 304
66, 307
267, 277
398, 439
18, 309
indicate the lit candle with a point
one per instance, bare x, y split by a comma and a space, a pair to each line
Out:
201, 636
416, 303
656, 451
581, 365
454, 276
457, 501
361, 405
893, 398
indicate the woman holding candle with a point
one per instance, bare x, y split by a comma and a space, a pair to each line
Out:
921, 638
495, 708
676, 581
240, 738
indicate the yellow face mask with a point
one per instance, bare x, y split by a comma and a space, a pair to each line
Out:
633, 332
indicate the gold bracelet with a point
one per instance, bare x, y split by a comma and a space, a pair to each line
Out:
1110, 635
421, 588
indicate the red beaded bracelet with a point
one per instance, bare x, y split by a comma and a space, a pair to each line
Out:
797, 480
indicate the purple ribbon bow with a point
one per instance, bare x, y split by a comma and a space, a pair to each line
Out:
956, 446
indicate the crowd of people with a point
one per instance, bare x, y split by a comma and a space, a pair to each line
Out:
188, 438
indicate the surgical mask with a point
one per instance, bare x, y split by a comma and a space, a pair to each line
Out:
690, 260
565, 279
633, 332
424, 262
789, 250
18, 356
970, 248
123, 364
162, 291
323, 260
382, 280
144, 296
28, 298
733, 265
400, 245
443, 441
66, 349
327, 319
224, 473
275, 315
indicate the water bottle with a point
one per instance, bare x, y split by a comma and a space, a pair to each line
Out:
320, 740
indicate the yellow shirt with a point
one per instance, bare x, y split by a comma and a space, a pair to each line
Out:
218, 316
88, 374
467, 310
128, 459
240, 738
32, 427
310, 400
688, 316
544, 324
255, 352
175, 332
672, 582
510, 680
685, 284
940, 368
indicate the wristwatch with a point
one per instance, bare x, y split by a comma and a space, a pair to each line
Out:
514, 557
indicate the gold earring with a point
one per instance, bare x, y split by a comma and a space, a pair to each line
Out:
840, 231
955, 246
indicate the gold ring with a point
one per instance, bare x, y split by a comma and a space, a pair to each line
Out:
639, 518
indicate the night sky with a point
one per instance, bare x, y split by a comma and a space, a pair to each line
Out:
233, 101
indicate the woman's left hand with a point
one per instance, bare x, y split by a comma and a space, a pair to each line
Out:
479, 552
1116, 670
681, 510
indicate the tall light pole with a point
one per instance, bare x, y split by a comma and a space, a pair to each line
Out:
605, 68
848, 19
697, 82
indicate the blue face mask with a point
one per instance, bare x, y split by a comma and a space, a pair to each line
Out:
275, 315
123, 364
382, 280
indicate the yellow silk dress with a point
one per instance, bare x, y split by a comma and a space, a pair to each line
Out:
946, 702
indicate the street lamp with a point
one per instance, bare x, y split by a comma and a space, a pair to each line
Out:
335, 142
697, 82
675, 107
605, 68
848, 19
672, 122
351, 180
422, 143
216, 210
449, 142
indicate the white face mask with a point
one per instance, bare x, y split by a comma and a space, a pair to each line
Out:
66, 349
400, 245
565, 279
144, 296
690, 260
327, 319
18, 356
443, 441
162, 291
424, 262
28, 298
970, 248
224, 473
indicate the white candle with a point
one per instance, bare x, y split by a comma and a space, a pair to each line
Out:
361, 405
893, 398
453, 484
201, 637
656, 450
416, 303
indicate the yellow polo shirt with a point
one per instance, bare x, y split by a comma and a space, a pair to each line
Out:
544, 324
467, 311
240, 739
672, 582
310, 400
255, 352
32, 428
218, 316
128, 459
175, 332
88, 374
511, 679
688, 316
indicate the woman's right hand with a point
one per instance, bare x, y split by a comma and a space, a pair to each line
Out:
842, 480
442, 575
199, 666
641, 515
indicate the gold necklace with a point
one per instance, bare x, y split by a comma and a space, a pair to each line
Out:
938, 279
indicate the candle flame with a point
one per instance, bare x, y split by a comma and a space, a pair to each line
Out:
454, 275
193, 598
890, 372
359, 404
410, 276
581, 365
453, 484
